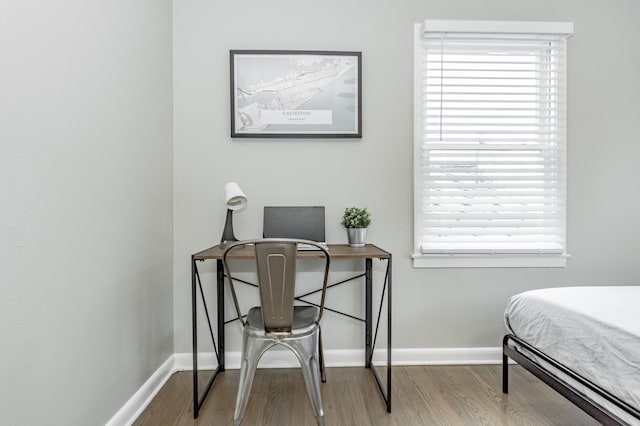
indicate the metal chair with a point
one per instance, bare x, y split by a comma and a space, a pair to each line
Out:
277, 321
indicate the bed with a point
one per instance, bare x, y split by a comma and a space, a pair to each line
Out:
582, 341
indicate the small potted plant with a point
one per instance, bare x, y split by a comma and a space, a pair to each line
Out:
356, 220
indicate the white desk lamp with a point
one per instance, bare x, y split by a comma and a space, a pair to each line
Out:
234, 199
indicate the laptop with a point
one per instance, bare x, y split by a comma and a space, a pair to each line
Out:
301, 222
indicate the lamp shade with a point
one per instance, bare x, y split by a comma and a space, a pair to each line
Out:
234, 198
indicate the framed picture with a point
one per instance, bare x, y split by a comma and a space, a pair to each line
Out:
296, 94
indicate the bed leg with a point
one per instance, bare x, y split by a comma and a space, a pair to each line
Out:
505, 365
505, 373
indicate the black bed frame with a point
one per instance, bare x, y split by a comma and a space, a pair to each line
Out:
587, 404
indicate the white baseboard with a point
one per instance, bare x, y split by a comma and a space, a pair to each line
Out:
353, 358
446, 356
286, 359
139, 401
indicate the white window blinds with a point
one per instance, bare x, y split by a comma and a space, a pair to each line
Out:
492, 141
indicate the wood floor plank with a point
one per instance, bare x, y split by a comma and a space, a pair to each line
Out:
423, 401
422, 395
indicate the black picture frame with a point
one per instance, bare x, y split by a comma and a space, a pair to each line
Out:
295, 94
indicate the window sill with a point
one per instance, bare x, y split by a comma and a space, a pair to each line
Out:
489, 261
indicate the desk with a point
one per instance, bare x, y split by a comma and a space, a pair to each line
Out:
336, 251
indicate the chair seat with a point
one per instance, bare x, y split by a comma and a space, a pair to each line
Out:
305, 318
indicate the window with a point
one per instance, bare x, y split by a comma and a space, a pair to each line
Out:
490, 143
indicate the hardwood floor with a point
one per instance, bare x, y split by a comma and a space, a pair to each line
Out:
422, 395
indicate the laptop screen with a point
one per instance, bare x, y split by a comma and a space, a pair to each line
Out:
294, 222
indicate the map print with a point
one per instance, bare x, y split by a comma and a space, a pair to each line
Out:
294, 93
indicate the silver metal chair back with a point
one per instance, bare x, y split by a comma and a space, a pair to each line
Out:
278, 321
276, 265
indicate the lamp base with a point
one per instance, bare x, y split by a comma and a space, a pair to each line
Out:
227, 234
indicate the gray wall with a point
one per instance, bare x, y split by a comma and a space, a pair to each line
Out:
453, 307
87, 197
86, 206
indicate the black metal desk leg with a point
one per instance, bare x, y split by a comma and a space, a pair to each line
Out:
368, 313
220, 297
385, 391
390, 268
194, 337
195, 283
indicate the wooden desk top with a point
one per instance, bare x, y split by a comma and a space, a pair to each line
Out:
336, 251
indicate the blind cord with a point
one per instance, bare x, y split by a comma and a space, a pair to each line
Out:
441, 80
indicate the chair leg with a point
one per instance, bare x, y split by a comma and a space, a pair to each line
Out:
252, 350
306, 349
323, 372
